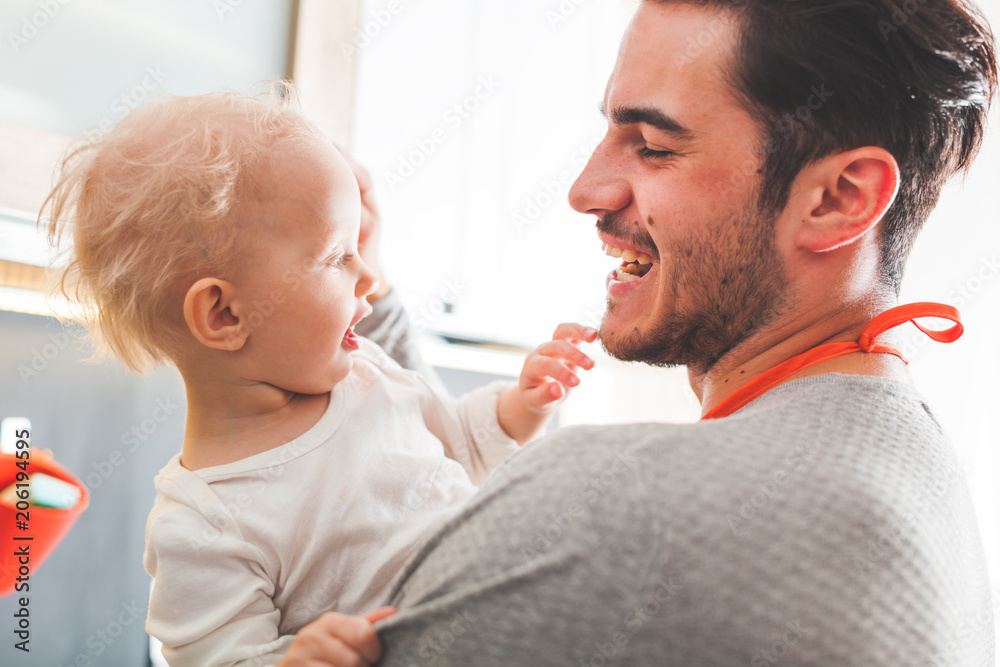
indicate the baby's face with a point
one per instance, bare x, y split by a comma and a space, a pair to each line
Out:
305, 284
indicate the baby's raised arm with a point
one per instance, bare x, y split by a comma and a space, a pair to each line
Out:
549, 373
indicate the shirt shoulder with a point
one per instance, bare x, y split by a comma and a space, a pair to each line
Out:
188, 519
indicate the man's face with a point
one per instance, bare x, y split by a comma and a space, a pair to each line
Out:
676, 179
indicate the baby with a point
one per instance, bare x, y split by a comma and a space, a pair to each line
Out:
220, 234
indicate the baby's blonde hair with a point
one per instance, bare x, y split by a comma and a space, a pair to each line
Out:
154, 206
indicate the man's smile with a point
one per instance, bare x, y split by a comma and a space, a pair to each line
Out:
636, 263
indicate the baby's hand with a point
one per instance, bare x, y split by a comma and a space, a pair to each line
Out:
550, 371
337, 640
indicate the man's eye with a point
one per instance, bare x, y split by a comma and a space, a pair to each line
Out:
647, 152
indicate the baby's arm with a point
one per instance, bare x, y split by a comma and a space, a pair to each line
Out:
336, 640
548, 374
212, 597
484, 427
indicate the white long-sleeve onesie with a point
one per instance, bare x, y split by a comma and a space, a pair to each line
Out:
246, 553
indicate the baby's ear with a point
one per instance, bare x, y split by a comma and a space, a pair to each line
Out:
210, 318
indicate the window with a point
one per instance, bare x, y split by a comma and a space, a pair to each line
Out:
474, 118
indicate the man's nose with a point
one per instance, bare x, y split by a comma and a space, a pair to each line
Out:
602, 187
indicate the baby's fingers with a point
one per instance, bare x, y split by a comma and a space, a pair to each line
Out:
574, 333
541, 398
566, 351
321, 644
539, 368
379, 614
357, 636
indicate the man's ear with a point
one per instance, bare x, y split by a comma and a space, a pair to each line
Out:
843, 196
209, 313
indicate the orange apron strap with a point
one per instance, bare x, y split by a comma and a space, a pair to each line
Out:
909, 313
867, 343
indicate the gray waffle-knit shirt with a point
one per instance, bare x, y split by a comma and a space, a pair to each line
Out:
825, 523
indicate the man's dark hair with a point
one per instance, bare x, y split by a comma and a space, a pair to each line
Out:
915, 77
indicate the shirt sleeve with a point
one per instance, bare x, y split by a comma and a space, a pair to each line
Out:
469, 429
211, 602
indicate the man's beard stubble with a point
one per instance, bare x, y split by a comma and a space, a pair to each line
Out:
733, 286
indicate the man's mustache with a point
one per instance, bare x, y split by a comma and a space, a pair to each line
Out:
633, 233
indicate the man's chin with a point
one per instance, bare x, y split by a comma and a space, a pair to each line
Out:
622, 347
635, 347
672, 341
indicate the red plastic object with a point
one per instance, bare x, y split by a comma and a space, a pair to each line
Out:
46, 525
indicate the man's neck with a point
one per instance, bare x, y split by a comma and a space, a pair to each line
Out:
794, 335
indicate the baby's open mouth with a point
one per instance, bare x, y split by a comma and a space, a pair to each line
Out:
634, 266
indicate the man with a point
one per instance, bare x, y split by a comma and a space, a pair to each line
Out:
763, 190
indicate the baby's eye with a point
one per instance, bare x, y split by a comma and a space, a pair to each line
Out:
341, 260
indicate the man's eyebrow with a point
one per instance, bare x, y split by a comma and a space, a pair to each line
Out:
649, 116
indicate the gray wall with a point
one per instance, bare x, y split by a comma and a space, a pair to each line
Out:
94, 581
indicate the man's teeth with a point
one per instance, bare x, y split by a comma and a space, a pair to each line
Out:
635, 265
628, 256
623, 277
